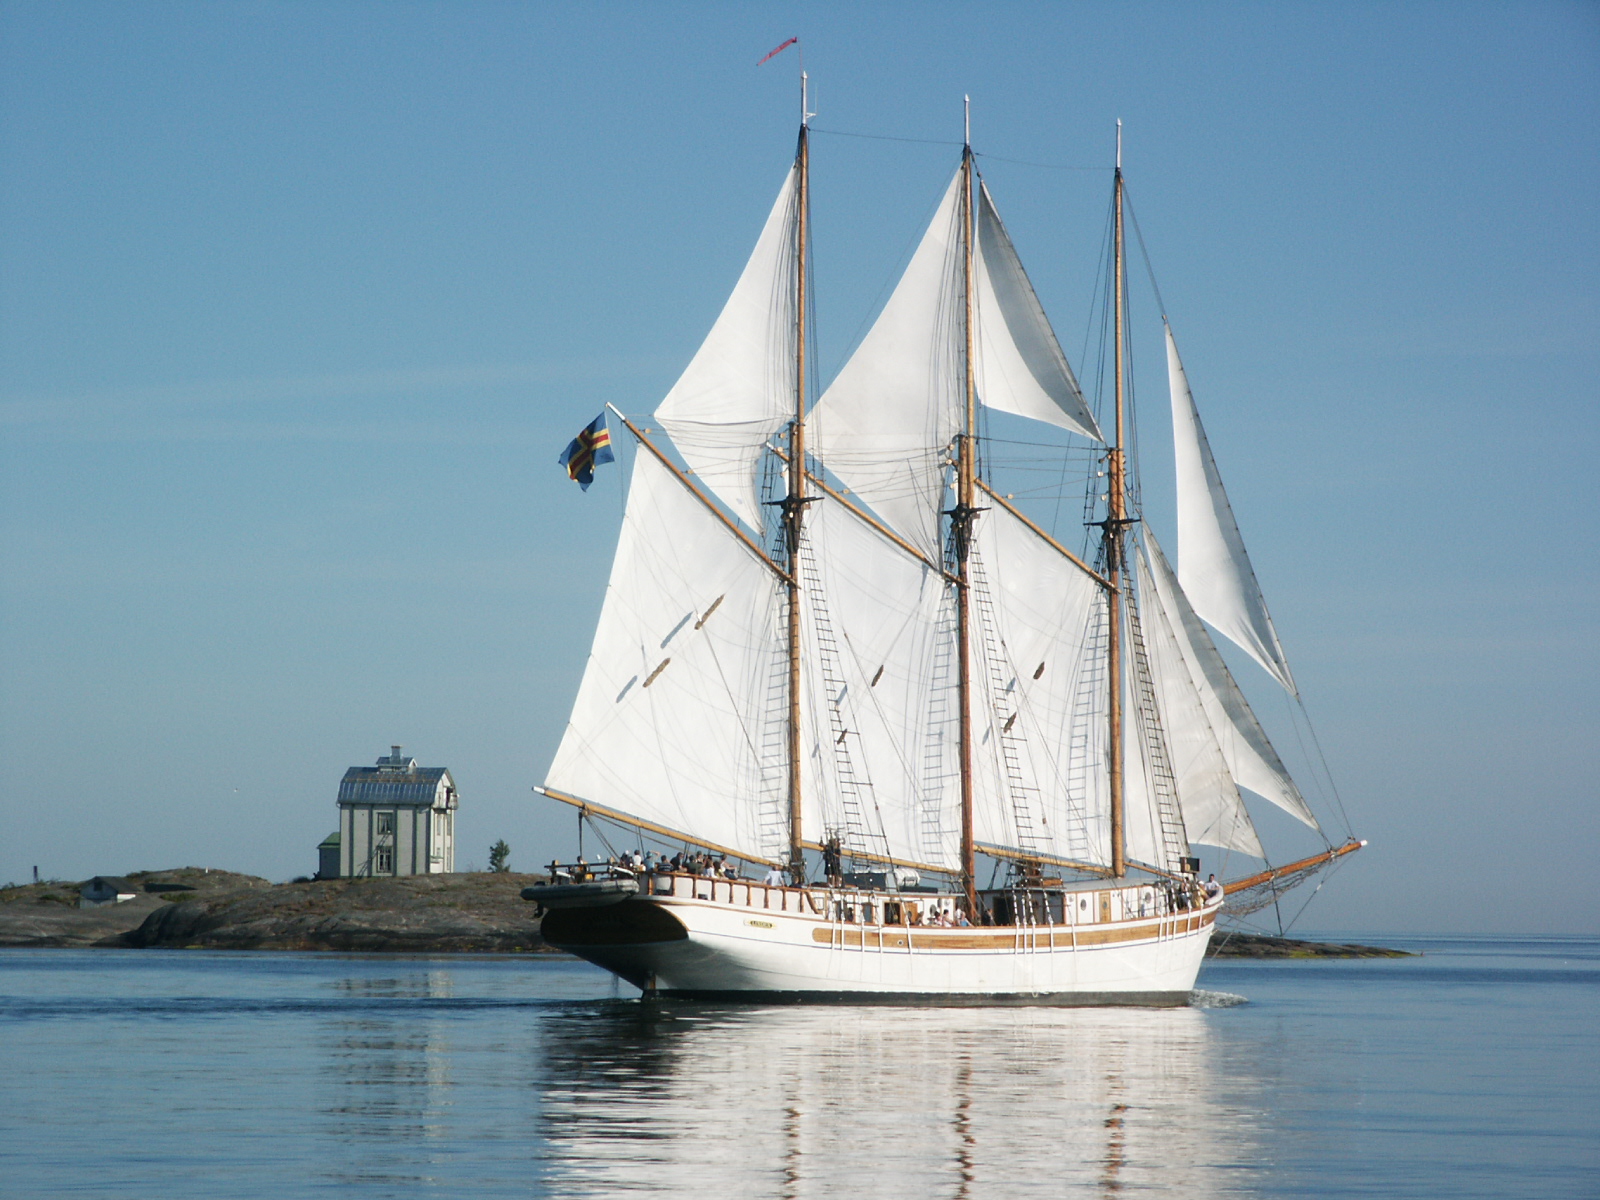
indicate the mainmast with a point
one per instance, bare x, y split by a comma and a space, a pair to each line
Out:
961, 527
1115, 530
795, 501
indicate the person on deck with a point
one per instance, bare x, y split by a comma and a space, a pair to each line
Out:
774, 877
1213, 888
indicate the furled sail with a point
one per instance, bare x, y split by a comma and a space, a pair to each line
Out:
1040, 779
879, 715
667, 724
885, 424
1212, 563
739, 388
1213, 811
1020, 366
1251, 760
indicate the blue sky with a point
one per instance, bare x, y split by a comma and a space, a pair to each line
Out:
298, 304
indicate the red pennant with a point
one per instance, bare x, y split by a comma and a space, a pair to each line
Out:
779, 49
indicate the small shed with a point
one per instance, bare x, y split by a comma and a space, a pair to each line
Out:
328, 857
397, 818
106, 889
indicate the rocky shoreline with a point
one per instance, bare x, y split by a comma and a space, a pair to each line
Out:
468, 913
478, 912
1229, 944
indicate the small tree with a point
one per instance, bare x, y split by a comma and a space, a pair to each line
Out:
500, 856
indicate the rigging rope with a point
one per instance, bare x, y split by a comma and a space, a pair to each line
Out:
1144, 252
884, 137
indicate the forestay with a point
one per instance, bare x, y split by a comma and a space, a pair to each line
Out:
1212, 564
739, 388
666, 724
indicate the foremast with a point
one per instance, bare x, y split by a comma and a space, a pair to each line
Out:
794, 502
1114, 543
961, 519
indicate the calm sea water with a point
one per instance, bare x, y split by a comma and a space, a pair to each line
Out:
1472, 1071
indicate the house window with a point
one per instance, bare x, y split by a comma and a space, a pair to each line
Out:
383, 862
385, 823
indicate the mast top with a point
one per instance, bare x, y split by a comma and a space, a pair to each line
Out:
1119, 143
805, 100
966, 113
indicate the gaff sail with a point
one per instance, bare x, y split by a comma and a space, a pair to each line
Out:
667, 723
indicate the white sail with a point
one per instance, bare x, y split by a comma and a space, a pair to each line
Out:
1212, 563
667, 724
1213, 811
1039, 696
1251, 760
1019, 364
885, 424
880, 716
739, 387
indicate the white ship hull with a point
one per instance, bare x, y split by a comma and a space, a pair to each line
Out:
703, 939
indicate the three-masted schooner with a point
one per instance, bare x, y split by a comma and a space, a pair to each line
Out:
900, 671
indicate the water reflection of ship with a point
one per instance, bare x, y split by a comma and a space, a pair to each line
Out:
802, 1102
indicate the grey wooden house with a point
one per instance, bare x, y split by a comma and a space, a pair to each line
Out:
397, 818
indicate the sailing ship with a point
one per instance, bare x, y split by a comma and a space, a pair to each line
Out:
832, 650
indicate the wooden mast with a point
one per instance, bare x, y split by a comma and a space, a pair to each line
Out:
961, 533
1115, 527
795, 501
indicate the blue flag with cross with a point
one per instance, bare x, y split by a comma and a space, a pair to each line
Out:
588, 450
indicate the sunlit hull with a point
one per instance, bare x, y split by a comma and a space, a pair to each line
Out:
704, 939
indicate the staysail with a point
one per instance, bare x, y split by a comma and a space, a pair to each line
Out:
1251, 760
667, 724
1212, 563
885, 425
1213, 811
738, 390
1020, 367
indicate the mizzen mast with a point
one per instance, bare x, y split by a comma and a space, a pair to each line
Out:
1115, 529
961, 518
795, 500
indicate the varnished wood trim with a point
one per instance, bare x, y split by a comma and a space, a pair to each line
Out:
1028, 937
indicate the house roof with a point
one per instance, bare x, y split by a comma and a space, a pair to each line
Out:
418, 786
331, 842
110, 883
